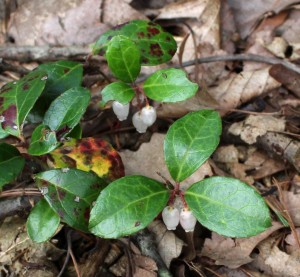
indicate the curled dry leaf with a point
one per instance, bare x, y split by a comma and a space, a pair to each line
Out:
138, 163
292, 243
249, 14
168, 245
234, 253
255, 126
241, 88
39, 23
275, 262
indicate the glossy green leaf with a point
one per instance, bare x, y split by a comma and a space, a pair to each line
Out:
124, 58
156, 46
42, 222
118, 91
62, 76
190, 141
17, 99
43, 141
76, 133
126, 206
67, 109
228, 207
11, 163
169, 85
70, 193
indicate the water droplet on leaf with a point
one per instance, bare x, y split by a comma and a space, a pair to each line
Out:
77, 199
44, 190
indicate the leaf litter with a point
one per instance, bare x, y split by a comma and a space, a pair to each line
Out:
202, 28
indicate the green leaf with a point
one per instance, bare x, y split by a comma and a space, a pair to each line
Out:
3, 134
42, 222
156, 46
18, 98
11, 163
169, 85
123, 58
70, 193
118, 91
190, 141
62, 76
228, 207
43, 141
76, 133
67, 109
126, 206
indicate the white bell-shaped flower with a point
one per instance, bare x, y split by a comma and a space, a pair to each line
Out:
148, 115
170, 216
120, 110
187, 220
138, 123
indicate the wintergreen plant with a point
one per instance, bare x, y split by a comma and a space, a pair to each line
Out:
82, 181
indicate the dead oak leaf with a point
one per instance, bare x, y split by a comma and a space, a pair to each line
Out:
234, 253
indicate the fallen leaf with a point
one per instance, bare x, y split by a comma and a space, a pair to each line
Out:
292, 244
248, 14
168, 245
256, 125
234, 253
292, 202
139, 163
55, 22
271, 260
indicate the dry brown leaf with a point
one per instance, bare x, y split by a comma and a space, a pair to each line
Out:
292, 242
248, 14
39, 22
234, 253
256, 125
241, 88
139, 162
115, 12
168, 245
292, 202
275, 262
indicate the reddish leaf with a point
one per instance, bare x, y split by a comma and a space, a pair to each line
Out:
89, 154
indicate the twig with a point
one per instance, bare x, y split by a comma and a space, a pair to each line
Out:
20, 192
242, 57
42, 53
72, 254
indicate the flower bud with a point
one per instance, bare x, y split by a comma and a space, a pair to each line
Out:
187, 220
120, 110
170, 217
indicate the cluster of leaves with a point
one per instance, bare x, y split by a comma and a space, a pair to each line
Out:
129, 46
76, 190
51, 99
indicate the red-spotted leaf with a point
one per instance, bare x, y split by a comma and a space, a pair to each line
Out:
124, 58
118, 91
156, 46
89, 154
70, 193
17, 99
43, 141
43, 222
11, 163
